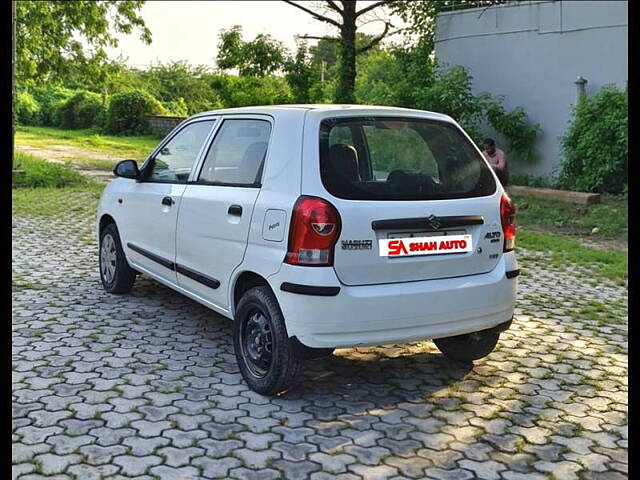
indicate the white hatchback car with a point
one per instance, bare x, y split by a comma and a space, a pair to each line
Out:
315, 227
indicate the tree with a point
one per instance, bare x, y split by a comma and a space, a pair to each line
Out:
47, 32
237, 91
299, 71
176, 80
261, 56
92, 72
347, 20
421, 14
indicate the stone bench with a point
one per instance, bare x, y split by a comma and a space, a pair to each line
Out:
580, 198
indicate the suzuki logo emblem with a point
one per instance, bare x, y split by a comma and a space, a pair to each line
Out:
433, 221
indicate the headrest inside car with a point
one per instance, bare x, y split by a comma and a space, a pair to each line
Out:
344, 161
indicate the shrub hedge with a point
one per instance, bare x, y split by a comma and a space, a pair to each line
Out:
596, 144
26, 108
49, 99
127, 110
82, 110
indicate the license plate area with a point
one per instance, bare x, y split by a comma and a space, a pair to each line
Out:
406, 244
425, 234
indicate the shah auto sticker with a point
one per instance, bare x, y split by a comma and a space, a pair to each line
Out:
400, 247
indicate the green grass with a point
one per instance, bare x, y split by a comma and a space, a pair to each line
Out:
611, 216
135, 148
532, 181
52, 202
601, 313
609, 264
95, 163
38, 173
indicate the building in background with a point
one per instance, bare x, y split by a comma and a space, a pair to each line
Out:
533, 52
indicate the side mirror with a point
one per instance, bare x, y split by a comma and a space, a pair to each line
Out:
127, 169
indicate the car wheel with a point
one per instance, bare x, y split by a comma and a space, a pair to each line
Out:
468, 347
263, 351
116, 274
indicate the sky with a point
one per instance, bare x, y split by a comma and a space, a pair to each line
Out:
188, 30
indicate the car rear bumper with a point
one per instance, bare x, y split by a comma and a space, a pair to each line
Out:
391, 313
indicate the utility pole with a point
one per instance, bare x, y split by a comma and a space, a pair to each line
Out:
581, 86
322, 71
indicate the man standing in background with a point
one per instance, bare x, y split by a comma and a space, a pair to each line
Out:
497, 159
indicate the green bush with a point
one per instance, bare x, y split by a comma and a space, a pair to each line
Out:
49, 98
177, 108
82, 110
377, 80
127, 111
596, 144
38, 173
26, 108
244, 91
513, 125
175, 80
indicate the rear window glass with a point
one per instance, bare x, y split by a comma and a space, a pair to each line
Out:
384, 158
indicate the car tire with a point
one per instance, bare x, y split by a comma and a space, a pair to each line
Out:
470, 346
115, 273
265, 356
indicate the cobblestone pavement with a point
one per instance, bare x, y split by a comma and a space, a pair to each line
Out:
146, 386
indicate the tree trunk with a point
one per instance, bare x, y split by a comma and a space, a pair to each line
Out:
347, 75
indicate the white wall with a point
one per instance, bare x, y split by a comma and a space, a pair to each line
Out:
532, 52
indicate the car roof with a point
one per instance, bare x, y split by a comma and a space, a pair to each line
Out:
323, 108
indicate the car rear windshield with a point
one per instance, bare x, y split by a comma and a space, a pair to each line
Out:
391, 158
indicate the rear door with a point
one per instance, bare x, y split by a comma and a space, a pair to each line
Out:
408, 179
215, 213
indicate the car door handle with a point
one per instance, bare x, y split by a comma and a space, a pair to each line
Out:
235, 210
168, 201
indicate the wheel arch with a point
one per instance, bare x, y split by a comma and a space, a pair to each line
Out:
244, 281
105, 220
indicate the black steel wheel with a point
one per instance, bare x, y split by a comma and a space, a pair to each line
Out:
257, 343
262, 348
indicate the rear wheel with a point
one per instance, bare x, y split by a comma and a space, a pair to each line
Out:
116, 274
262, 348
470, 346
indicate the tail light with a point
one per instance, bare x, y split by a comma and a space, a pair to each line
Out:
315, 227
508, 219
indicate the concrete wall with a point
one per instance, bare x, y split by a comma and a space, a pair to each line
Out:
161, 125
532, 52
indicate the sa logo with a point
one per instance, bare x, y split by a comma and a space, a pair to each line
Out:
397, 246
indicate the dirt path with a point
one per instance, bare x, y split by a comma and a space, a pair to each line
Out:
605, 244
65, 154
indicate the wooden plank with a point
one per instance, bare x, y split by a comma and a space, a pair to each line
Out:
580, 198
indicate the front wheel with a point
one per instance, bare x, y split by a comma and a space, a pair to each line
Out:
262, 348
470, 346
116, 274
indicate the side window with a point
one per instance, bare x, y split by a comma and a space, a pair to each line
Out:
237, 154
173, 163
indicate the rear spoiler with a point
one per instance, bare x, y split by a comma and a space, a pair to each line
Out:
429, 224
